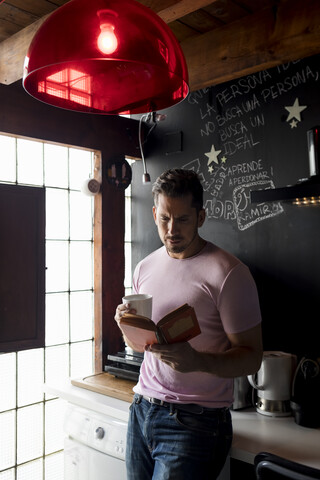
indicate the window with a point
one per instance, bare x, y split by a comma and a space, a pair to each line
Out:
127, 239
31, 436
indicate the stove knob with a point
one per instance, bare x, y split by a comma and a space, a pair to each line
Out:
99, 433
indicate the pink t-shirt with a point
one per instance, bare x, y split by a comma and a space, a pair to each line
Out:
224, 296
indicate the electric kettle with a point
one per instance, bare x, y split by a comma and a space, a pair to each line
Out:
273, 383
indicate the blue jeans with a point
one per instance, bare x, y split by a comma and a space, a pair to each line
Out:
171, 444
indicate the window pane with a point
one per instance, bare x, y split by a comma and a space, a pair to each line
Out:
57, 266
57, 218
127, 236
30, 433
80, 216
32, 470
81, 315
7, 439
8, 378
8, 159
81, 275
54, 467
57, 318
54, 420
30, 164
81, 359
80, 167
56, 165
57, 364
8, 475
127, 265
30, 376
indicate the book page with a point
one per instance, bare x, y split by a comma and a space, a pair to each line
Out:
173, 313
180, 326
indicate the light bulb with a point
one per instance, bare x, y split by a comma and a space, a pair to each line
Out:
107, 40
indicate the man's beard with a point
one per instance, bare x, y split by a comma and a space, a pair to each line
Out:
181, 247
176, 249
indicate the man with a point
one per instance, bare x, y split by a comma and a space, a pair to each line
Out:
180, 424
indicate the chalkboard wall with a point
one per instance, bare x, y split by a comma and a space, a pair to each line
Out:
243, 135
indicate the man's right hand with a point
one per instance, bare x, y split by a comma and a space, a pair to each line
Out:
121, 310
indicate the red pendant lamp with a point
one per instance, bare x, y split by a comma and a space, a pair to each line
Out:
106, 57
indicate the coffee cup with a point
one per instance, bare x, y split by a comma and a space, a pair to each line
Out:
141, 302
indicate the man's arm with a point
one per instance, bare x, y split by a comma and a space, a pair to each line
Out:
242, 358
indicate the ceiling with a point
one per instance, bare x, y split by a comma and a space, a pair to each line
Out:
221, 39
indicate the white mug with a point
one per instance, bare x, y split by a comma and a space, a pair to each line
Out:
141, 302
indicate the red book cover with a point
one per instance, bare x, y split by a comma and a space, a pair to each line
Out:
180, 325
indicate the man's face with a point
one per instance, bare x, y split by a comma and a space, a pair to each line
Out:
178, 224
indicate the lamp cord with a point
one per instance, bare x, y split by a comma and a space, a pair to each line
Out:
147, 116
154, 117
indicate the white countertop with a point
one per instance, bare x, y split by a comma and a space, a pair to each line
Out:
91, 400
253, 432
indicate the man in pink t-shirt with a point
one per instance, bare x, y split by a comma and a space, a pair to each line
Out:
180, 424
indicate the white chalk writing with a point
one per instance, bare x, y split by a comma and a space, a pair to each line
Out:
248, 214
288, 84
232, 120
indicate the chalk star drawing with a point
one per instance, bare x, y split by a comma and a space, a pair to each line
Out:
210, 169
293, 123
213, 155
223, 159
295, 110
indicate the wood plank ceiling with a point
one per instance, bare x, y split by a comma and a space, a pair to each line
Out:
222, 39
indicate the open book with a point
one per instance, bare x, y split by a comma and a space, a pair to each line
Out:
180, 325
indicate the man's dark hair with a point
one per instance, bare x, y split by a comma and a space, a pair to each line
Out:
179, 183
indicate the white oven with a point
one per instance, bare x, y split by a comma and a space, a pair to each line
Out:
94, 445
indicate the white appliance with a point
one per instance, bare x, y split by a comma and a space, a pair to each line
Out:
94, 445
273, 383
94, 448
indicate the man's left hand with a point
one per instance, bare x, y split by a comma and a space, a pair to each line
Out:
179, 356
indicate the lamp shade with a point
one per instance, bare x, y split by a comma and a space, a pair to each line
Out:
106, 57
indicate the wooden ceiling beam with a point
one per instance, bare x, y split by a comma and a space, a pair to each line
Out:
260, 41
182, 8
265, 39
14, 49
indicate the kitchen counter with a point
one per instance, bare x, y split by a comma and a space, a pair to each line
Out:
107, 385
253, 432
97, 393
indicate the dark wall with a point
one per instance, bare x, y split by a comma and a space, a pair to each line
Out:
263, 143
21, 114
